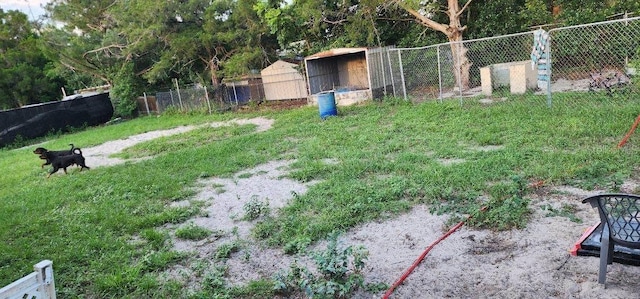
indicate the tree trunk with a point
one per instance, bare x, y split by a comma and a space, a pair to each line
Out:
462, 65
213, 66
453, 31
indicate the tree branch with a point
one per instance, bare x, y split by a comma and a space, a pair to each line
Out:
103, 48
422, 19
324, 19
463, 8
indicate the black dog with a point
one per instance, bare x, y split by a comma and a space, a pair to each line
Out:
63, 162
45, 154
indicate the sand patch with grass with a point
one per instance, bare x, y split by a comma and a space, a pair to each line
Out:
533, 262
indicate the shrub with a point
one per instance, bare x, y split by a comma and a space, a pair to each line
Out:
338, 272
255, 208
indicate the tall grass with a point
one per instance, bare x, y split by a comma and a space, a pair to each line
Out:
371, 162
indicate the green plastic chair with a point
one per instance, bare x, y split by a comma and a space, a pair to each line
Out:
620, 216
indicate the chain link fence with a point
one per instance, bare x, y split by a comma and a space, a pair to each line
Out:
562, 66
227, 96
200, 99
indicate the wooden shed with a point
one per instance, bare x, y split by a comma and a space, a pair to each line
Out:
351, 73
283, 81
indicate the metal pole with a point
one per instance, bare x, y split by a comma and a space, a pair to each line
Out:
235, 94
393, 83
206, 96
178, 90
404, 84
439, 74
146, 103
547, 49
384, 77
459, 69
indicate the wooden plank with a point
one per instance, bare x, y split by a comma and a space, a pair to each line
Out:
17, 289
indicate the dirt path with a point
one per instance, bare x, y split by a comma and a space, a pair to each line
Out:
98, 156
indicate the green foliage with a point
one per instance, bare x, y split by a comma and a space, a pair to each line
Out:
213, 282
566, 210
298, 245
373, 162
338, 272
24, 69
254, 209
225, 250
124, 92
160, 260
506, 209
536, 12
497, 17
156, 239
192, 232
199, 137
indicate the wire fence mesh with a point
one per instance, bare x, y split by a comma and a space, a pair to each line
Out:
562, 66
227, 96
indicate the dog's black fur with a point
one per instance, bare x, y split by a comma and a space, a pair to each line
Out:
47, 155
65, 161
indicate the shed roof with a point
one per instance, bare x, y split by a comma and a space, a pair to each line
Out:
335, 52
279, 66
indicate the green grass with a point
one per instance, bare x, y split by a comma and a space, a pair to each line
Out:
193, 232
102, 227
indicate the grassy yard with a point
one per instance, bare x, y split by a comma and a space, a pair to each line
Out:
386, 157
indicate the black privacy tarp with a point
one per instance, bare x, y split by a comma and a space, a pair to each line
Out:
40, 119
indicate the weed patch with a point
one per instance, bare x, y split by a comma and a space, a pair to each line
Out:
339, 272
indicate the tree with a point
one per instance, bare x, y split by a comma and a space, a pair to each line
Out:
195, 41
486, 18
24, 76
453, 31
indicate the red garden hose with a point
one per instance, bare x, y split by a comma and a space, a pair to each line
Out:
423, 255
633, 128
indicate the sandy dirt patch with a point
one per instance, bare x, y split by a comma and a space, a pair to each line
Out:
530, 263
99, 155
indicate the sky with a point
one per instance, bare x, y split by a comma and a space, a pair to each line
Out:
32, 8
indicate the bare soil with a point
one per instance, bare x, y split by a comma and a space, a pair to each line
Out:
529, 263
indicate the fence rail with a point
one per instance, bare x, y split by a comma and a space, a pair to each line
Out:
37, 285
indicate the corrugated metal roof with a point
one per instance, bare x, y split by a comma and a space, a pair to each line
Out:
335, 52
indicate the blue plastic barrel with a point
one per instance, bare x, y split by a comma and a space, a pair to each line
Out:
327, 104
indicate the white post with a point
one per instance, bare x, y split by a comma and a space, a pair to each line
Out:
404, 84
44, 270
439, 74
233, 84
393, 83
178, 90
146, 103
206, 96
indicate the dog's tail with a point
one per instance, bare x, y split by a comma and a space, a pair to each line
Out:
77, 151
